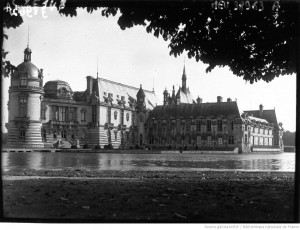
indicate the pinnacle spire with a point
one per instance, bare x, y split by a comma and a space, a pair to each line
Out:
28, 38
97, 67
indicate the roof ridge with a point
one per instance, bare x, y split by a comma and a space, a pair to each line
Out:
121, 84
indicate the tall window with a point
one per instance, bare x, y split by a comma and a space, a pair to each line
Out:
232, 125
208, 124
208, 140
220, 141
23, 107
63, 134
55, 113
122, 116
43, 112
22, 133
198, 125
108, 115
94, 113
23, 81
219, 125
83, 114
63, 114
231, 140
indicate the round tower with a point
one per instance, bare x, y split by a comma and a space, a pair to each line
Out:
24, 106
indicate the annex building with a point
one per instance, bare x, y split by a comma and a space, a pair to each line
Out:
110, 113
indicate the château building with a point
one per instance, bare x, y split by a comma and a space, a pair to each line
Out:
107, 112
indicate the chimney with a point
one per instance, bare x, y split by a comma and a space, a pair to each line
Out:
219, 99
261, 110
229, 99
89, 85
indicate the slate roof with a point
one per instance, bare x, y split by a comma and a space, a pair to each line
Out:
186, 111
119, 89
268, 115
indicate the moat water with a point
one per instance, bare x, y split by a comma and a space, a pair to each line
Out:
284, 162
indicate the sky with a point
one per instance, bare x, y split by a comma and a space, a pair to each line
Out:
68, 48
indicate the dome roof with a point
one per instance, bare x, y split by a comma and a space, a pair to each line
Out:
27, 68
58, 89
140, 93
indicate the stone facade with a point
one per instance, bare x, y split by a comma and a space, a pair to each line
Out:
111, 113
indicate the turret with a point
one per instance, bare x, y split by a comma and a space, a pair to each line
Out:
166, 97
140, 96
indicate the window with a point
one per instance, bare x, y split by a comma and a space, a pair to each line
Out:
116, 135
115, 115
122, 117
208, 124
72, 114
208, 140
94, 113
44, 135
246, 139
63, 114
83, 114
232, 125
127, 116
63, 134
220, 141
231, 140
151, 139
22, 133
198, 125
23, 81
219, 125
108, 115
23, 107
55, 113
43, 112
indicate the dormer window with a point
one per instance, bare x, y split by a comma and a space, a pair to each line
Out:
23, 81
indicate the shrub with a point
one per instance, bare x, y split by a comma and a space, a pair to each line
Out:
185, 147
137, 147
131, 147
97, 147
196, 147
109, 146
170, 147
73, 147
85, 146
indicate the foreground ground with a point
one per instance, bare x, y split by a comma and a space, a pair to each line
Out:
115, 196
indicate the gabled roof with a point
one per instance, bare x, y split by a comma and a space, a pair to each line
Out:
118, 89
268, 115
187, 111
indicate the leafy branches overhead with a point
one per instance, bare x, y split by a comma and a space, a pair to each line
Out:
254, 44
258, 42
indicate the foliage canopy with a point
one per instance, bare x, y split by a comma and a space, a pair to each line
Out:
258, 41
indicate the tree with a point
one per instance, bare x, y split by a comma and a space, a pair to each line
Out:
289, 138
256, 39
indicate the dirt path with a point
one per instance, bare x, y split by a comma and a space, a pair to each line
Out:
114, 196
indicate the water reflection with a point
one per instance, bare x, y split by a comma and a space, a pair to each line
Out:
151, 162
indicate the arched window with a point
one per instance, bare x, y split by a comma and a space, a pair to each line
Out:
22, 133
63, 134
